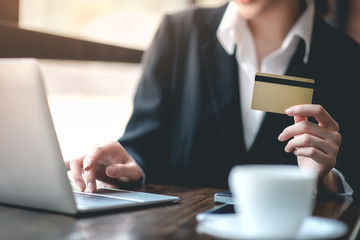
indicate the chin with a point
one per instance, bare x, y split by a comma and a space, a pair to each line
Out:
244, 1
250, 9
249, 13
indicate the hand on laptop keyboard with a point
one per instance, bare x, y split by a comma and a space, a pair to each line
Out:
109, 163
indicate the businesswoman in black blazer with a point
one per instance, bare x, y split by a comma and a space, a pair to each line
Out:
192, 122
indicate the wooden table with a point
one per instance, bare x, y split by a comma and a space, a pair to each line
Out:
176, 221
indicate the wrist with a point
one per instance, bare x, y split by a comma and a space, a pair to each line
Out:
330, 184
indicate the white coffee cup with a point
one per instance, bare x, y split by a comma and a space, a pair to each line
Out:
272, 201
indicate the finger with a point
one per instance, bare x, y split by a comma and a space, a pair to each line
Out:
90, 162
107, 152
124, 172
76, 168
90, 179
298, 119
315, 111
100, 157
307, 140
306, 127
316, 155
92, 157
302, 127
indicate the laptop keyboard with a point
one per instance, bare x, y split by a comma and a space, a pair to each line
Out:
88, 201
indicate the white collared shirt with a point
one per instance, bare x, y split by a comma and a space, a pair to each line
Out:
234, 31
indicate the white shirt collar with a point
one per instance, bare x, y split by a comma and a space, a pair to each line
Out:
232, 26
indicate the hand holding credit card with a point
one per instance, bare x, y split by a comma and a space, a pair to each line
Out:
276, 93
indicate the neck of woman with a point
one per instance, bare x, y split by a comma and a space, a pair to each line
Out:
270, 29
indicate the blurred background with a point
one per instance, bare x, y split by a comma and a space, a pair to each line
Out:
90, 51
119, 22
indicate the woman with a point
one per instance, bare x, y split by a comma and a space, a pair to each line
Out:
192, 120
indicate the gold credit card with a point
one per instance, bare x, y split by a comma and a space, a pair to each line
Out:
276, 93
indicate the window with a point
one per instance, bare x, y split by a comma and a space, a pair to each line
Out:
118, 22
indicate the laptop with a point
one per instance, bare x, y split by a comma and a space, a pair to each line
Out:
32, 170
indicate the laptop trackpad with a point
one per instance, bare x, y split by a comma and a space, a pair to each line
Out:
105, 198
134, 196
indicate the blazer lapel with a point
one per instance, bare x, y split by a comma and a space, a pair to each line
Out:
221, 71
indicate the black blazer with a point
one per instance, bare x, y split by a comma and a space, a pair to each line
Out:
186, 124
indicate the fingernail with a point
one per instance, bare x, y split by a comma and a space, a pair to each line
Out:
80, 185
91, 187
110, 171
289, 111
280, 138
287, 149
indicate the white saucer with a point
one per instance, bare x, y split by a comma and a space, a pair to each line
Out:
227, 226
